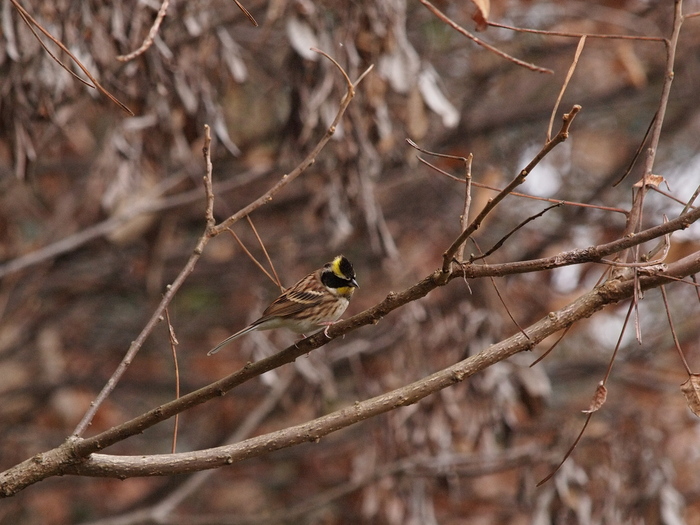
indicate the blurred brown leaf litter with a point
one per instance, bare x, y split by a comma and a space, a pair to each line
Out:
119, 201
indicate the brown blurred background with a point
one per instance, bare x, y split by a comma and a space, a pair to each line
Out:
72, 163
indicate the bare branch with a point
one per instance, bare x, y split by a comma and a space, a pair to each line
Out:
563, 134
148, 41
128, 466
157, 315
308, 161
173, 348
532, 197
31, 22
454, 25
246, 13
569, 74
578, 35
676, 342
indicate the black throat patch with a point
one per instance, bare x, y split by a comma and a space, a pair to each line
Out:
331, 280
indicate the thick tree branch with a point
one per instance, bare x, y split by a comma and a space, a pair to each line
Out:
166, 464
65, 459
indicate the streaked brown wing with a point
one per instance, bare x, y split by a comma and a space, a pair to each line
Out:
296, 299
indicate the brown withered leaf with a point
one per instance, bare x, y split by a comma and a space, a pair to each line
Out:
601, 394
691, 391
481, 15
652, 180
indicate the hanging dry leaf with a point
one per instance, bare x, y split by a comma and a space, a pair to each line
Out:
601, 394
652, 180
631, 64
691, 391
302, 38
481, 14
435, 99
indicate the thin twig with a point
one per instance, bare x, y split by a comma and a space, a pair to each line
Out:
246, 13
208, 179
31, 23
563, 134
308, 160
267, 255
568, 452
552, 347
591, 412
676, 342
148, 41
173, 347
464, 219
251, 256
689, 204
638, 152
171, 290
510, 233
525, 195
500, 297
454, 25
577, 35
569, 74
674, 198
632, 307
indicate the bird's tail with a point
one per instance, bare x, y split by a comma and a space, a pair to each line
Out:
231, 338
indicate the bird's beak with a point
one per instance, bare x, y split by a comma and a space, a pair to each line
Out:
353, 283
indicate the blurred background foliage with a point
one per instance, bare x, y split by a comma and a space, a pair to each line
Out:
73, 165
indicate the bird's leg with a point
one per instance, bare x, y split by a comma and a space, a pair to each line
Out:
327, 324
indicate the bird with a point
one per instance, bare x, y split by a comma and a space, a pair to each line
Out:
317, 300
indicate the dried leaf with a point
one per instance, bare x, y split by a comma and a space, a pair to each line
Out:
651, 180
302, 38
435, 99
481, 14
601, 394
400, 68
691, 391
631, 64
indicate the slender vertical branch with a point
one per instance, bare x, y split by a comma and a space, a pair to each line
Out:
464, 219
157, 315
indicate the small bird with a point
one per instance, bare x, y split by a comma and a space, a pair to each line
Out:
318, 300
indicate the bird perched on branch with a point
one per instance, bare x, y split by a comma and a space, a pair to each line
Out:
317, 300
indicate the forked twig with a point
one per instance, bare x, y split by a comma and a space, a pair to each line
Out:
563, 134
569, 74
171, 290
